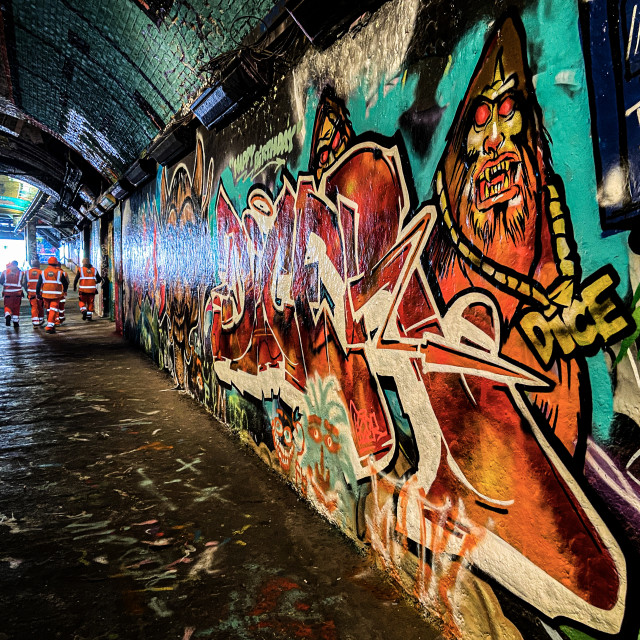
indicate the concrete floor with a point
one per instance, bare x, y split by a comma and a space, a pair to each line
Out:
126, 511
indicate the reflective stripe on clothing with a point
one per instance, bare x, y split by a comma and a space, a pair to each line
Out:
37, 308
86, 301
52, 314
52, 282
12, 282
12, 305
87, 282
32, 280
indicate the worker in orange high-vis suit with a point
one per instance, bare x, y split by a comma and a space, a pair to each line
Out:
62, 304
51, 286
30, 282
87, 277
11, 281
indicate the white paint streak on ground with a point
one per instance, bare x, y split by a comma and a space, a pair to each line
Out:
14, 563
13, 525
206, 562
188, 632
159, 608
147, 483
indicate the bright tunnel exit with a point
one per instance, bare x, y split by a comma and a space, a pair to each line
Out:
12, 250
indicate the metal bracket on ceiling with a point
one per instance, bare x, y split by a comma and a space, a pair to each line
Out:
36, 204
51, 235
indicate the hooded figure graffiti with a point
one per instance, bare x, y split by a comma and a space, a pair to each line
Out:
504, 231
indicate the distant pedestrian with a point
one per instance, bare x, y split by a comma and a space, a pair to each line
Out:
30, 282
51, 286
87, 277
11, 281
63, 302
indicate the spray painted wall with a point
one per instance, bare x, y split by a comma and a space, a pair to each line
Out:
405, 279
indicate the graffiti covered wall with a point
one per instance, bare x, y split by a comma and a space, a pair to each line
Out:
401, 281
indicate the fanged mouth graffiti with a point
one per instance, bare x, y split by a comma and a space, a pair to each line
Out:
284, 455
498, 181
284, 449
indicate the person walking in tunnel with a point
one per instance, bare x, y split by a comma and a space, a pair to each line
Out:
30, 282
87, 277
11, 281
61, 305
52, 284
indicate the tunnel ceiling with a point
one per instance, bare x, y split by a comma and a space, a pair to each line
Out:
20, 201
106, 77
15, 198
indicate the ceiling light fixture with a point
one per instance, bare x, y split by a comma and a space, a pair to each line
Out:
242, 81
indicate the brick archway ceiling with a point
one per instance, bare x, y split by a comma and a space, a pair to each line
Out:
106, 77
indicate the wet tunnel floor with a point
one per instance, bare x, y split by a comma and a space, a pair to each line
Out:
126, 511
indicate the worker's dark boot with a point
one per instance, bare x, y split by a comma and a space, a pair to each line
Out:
84, 315
50, 330
16, 325
7, 320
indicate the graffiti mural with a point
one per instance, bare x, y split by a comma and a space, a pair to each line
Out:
417, 356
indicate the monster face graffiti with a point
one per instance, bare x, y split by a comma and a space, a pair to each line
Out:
493, 175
